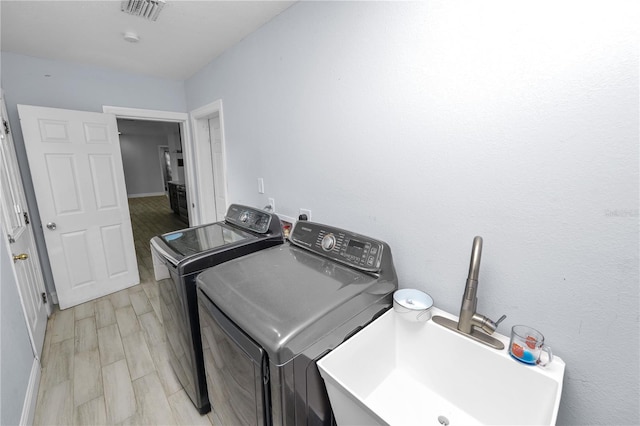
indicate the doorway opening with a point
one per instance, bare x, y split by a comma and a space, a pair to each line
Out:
204, 162
140, 142
152, 215
153, 187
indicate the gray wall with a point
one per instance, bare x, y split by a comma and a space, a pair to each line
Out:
16, 357
79, 87
427, 123
142, 174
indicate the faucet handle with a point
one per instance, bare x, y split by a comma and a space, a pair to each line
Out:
485, 323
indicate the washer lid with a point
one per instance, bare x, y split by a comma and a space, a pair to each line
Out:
190, 241
287, 298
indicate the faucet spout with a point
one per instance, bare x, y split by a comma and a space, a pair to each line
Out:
476, 254
469, 298
470, 322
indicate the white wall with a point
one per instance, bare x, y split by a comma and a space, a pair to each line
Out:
427, 123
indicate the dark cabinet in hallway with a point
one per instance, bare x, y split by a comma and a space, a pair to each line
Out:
178, 200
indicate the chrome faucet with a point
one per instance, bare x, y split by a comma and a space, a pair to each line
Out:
470, 321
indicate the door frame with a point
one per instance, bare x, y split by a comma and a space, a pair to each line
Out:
182, 118
202, 152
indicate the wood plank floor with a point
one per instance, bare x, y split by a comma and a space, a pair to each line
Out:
105, 362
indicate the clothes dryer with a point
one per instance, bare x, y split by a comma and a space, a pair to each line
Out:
268, 317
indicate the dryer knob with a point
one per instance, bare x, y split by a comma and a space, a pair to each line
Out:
328, 242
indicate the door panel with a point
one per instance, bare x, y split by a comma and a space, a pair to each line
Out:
54, 131
11, 213
76, 166
114, 247
76, 250
96, 133
104, 181
217, 163
32, 288
62, 176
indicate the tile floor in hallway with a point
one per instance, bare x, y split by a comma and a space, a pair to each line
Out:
105, 362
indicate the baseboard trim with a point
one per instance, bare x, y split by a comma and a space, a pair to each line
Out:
31, 397
146, 194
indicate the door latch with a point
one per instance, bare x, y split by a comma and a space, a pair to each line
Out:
21, 256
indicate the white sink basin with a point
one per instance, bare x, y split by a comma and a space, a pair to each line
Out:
398, 372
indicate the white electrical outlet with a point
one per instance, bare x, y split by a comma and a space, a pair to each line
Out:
260, 186
272, 203
307, 212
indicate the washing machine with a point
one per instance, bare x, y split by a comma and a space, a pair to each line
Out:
267, 318
178, 258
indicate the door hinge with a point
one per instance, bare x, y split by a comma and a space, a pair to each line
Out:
26, 218
44, 298
11, 239
6, 126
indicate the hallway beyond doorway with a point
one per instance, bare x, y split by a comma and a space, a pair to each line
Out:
150, 216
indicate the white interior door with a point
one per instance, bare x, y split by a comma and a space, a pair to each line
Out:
205, 164
16, 225
77, 172
217, 164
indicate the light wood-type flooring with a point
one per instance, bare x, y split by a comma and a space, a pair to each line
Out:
105, 362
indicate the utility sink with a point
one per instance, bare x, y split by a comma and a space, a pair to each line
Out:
397, 372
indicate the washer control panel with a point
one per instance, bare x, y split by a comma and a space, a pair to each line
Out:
252, 219
346, 247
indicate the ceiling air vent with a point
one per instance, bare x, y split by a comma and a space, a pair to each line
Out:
148, 9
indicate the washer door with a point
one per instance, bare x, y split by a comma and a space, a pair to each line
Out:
236, 368
190, 241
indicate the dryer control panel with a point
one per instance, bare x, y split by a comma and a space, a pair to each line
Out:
355, 250
248, 218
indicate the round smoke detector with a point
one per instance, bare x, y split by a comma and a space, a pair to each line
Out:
131, 37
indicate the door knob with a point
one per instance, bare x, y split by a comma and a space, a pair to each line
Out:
51, 225
22, 256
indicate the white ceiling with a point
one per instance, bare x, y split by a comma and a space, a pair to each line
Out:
187, 35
